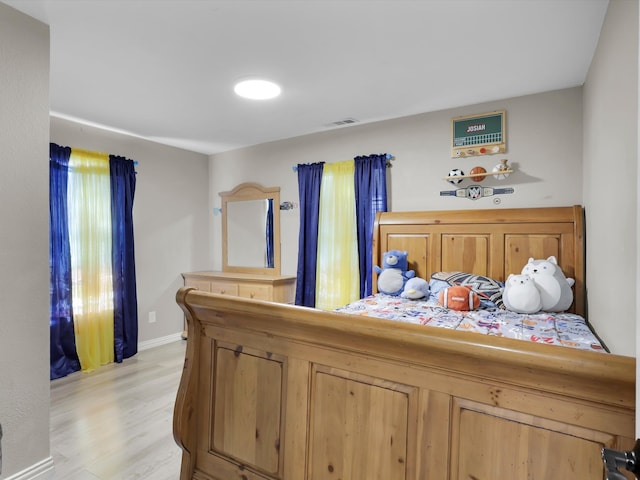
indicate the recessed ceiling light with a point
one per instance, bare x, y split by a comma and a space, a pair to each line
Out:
257, 89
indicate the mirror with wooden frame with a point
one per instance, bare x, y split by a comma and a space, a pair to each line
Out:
251, 229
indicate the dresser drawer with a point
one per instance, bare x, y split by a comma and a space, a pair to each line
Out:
203, 285
270, 288
258, 292
224, 288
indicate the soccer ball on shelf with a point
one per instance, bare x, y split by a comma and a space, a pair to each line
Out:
456, 172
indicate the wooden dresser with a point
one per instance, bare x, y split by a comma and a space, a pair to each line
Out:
250, 262
272, 288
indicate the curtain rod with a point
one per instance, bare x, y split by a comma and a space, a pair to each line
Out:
388, 156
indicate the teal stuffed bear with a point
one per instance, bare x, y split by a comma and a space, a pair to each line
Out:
416, 288
394, 272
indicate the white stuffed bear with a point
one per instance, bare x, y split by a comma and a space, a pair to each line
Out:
555, 288
521, 294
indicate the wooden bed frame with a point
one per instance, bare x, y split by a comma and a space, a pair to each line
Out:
272, 391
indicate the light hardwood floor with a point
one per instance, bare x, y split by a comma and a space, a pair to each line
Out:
116, 422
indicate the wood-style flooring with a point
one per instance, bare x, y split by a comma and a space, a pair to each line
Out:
116, 423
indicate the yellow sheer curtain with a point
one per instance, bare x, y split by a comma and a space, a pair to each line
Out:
89, 211
337, 278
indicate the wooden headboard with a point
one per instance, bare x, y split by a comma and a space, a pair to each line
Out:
494, 243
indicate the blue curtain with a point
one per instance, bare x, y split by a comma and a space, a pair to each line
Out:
309, 180
371, 197
125, 311
64, 358
269, 234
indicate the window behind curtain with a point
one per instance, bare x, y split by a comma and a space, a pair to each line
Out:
337, 281
90, 233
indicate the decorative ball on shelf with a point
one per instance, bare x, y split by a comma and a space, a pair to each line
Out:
479, 174
501, 171
456, 172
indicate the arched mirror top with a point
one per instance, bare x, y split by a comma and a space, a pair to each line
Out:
251, 229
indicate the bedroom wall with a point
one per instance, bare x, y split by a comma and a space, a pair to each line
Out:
24, 242
544, 141
170, 217
611, 176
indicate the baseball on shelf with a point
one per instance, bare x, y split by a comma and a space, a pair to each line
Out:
456, 172
479, 174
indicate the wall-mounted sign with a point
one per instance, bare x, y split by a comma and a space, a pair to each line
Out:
475, 135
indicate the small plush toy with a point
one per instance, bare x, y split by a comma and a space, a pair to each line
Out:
459, 298
555, 289
393, 274
415, 288
521, 294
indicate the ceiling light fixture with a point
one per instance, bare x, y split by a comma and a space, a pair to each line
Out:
257, 89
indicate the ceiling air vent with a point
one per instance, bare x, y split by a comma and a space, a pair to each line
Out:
340, 123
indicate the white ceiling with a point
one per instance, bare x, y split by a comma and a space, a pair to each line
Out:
164, 69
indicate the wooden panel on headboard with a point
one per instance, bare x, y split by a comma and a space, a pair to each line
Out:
416, 243
466, 253
494, 243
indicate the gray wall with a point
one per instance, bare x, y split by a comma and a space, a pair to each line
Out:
611, 177
24, 243
170, 216
544, 142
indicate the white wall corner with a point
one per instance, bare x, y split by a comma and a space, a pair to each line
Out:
156, 342
43, 470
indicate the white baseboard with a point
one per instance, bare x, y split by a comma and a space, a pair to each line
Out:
156, 342
42, 470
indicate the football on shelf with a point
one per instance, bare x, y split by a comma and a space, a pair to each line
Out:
456, 172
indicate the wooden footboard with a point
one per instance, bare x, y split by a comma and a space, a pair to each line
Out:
273, 391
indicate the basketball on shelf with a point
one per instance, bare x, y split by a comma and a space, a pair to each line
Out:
456, 172
479, 173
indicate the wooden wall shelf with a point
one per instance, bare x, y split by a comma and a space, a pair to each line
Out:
503, 169
473, 175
